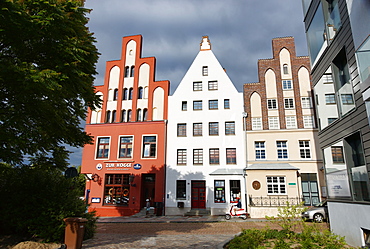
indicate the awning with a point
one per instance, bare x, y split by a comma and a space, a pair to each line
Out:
271, 166
227, 171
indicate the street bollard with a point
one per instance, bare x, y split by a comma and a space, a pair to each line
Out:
74, 232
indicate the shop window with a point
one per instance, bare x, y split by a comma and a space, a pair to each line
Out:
212, 85
197, 86
181, 130
235, 194
260, 150
256, 123
149, 146
282, 149
103, 147
184, 106
231, 156
205, 71
181, 156
220, 191
181, 189
213, 104
125, 147
226, 103
274, 123
117, 189
197, 105
198, 156
214, 156
213, 128
276, 185
271, 104
304, 149
197, 129
230, 128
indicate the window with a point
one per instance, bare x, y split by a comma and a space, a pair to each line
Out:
332, 18
181, 130
331, 120
213, 128
306, 102
123, 116
214, 156
291, 122
231, 156
337, 154
213, 104
141, 91
181, 156
285, 69
132, 72
289, 103
117, 189
220, 191
103, 147
327, 78
197, 129
125, 92
145, 114
131, 93
205, 71
230, 128
235, 193
125, 147
181, 189
197, 86
276, 185
114, 114
107, 117
198, 156
138, 115
347, 99
226, 103
274, 123
197, 105
330, 98
127, 71
115, 94
308, 122
212, 85
129, 113
304, 149
282, 149
184, 106
149, 146
271, 104
256, 123
260, 150
287, 85
316, 35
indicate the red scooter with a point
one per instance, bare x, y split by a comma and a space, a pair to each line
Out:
236, 212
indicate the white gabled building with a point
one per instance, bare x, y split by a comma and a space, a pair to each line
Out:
205, 143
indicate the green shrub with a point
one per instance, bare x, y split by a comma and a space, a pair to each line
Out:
35, 201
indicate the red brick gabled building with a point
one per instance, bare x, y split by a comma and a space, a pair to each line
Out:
126, 162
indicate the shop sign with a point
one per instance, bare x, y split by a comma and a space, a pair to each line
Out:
95, 200
114, 166
137, 166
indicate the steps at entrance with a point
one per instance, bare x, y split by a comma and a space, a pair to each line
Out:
198, 212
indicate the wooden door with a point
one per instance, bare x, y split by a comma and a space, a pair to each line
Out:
198, 194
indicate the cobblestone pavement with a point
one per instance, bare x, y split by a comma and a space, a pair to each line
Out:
169, 232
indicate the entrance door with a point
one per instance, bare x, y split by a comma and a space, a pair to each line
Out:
310, 189
198, 194
148, 189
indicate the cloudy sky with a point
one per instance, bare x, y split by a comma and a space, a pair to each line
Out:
240, 32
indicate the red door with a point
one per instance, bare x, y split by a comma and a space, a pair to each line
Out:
198, 194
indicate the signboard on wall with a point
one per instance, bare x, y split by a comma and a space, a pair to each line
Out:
338, 184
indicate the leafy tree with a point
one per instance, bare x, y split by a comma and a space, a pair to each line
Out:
47, 63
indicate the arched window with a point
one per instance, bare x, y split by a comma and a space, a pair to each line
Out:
285, 69
138, 116
124, 97
113, 116
115, 94
140, 93
123, 116
132, 71
145, 114
130, 94
127, 69
107, 118
129, 115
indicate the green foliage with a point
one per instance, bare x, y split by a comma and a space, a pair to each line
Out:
47, 63
35, 201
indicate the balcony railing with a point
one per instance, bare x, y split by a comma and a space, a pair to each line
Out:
273, 201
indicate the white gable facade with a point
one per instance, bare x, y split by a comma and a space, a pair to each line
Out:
206, 143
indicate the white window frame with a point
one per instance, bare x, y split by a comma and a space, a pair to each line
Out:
272, 104
97, 148
256, 123
287, 84
274, 123
143, 146
305, 148
119, 147
291, 122
260, 146
277, 185
289, 103
308, 122
306, 102
283, 148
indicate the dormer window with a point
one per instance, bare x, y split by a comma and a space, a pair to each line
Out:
205, 71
